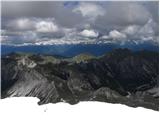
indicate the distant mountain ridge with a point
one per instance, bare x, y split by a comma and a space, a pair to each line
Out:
73, 50
119, 76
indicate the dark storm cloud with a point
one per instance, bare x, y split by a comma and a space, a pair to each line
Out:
153, 8
124, 13
119, 13
41, 9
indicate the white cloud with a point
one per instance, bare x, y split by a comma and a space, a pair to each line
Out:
131, 30
3, 38
90, 10
114, 34
105, 37
148, 29
64, 20
33, 24
46, 26
29, 36
89, 33
147, 38
46, 31
144, 33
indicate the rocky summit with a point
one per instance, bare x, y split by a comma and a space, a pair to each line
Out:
119, 76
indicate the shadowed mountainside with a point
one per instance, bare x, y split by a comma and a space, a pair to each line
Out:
120, 76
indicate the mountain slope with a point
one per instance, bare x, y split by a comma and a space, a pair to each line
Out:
120, 76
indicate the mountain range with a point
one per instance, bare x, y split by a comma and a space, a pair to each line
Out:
119, 76
71, 50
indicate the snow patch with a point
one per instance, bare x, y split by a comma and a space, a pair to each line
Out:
26, 108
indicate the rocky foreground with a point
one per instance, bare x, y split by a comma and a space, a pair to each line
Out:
120, 76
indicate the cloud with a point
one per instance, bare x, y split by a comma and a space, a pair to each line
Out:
90, 10
53, 22
31, 31
134, 33
113, 36
46, 26
123, 14
89, 33
149, 28
38, 9
131, 29
116, 35
71, 14
21, 24
148, 31
3, 39
33, 24
105, 37
153, 7
19, 38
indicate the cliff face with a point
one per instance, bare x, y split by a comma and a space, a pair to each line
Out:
120, 76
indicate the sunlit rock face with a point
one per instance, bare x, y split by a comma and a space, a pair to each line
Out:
120, 76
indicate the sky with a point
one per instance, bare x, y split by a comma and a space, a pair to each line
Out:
51, 22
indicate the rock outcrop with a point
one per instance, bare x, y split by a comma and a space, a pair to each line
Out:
120, 76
